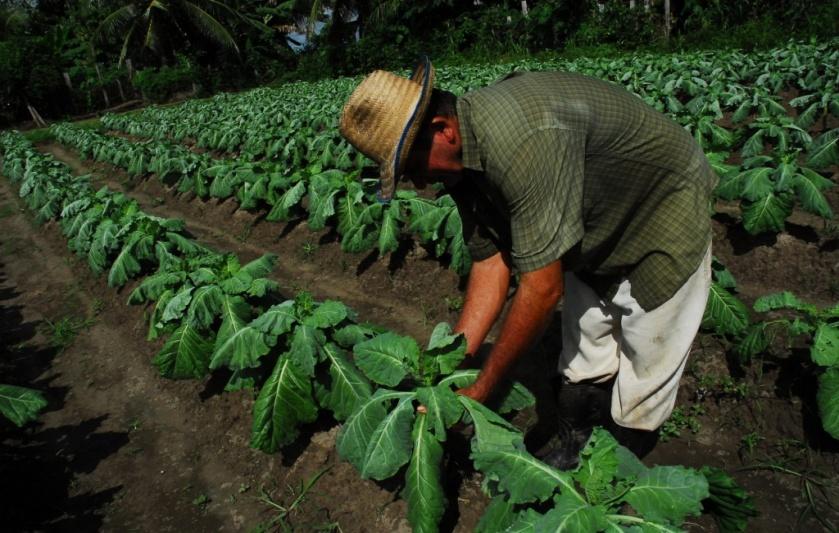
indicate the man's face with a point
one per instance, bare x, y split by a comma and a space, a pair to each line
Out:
435, 156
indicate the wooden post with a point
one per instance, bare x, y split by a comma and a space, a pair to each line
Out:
104, 92
36, 117
130, 69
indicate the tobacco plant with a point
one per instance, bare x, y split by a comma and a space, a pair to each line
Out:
384, 433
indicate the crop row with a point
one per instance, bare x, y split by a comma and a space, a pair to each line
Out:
766, 158
335, 197
221, 315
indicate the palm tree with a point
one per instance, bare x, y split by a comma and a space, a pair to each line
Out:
13, 20
154, 23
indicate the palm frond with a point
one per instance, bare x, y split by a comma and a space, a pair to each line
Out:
208, 25
124, 51
383, 11
314, 15
116, 22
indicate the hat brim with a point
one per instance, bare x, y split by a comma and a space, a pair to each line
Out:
395, 165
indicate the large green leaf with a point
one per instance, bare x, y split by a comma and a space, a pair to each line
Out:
290, 198
423, 488
523, 477
305, 344
757, 183
726, 314
782, 300
124, 267
809, 186
827, 398
153, 286
206, 305
348, 388
387, 358
238, 344
277, 320
824, 151
571, 515
598, 466
491, 431
104, 241
767, 214
390, 444
668, 494
356, 432
389, 232
448, 349
185, 355
177, 305
19, 404
260, 267
825, 349
284, 403
328, 314
498, 516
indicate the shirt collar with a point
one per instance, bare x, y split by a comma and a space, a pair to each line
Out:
470, 156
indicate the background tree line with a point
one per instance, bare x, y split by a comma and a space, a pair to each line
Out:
69, 57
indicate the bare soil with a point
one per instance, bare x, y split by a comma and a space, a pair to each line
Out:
120, 448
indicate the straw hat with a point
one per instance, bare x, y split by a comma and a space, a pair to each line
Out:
382, 118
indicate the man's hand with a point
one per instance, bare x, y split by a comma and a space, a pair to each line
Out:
476, 391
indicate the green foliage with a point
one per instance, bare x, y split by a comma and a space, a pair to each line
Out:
384, 432
20, 404
590, 498
820, 328
729, 504
159, 84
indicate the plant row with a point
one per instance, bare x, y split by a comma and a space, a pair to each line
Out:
767, 159
781, 315
334, 197
224, 316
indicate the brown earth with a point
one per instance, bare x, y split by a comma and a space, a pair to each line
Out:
121, 448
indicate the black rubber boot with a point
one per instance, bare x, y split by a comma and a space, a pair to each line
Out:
581, 406
639, 441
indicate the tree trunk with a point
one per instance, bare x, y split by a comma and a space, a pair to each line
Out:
104, 92
121, 92
667, 19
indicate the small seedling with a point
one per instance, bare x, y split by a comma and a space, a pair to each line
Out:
454, 303
63, 332
283, 512
201, 500
308, 249
681, 419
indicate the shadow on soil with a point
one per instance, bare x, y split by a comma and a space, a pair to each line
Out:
38, 464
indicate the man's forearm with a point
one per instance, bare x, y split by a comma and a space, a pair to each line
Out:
531, 311
486, 293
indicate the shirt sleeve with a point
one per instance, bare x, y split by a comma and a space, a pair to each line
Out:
543, 189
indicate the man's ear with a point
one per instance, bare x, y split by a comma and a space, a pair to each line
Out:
447, 126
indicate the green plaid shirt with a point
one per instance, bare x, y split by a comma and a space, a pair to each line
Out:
562, 166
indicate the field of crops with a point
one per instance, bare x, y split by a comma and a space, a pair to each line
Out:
242, 239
